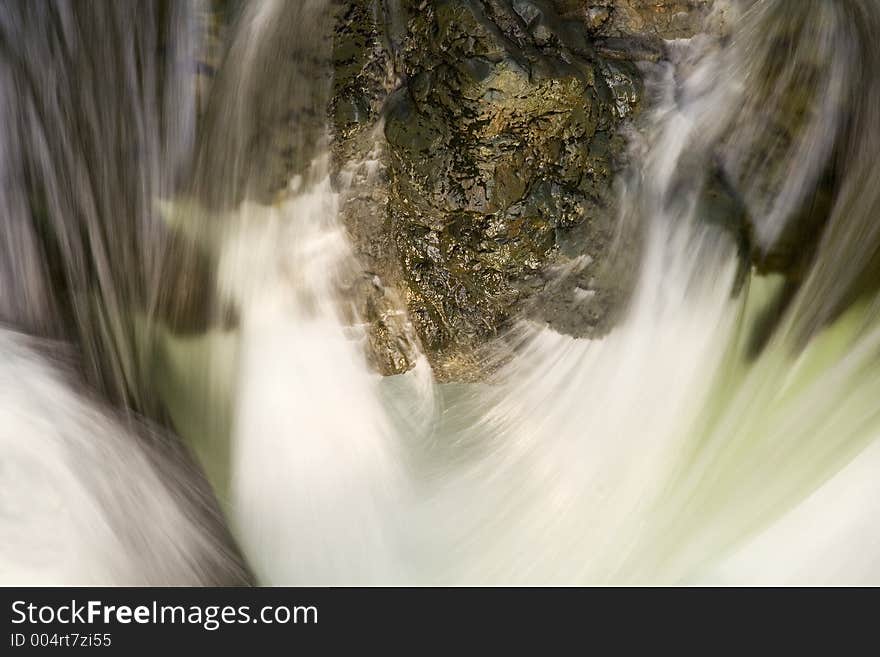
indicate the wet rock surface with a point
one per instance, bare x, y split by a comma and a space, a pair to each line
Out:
667, 19
493, 133
364, 76
475, 144
504, 140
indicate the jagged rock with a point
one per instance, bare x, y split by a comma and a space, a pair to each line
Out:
490, 193
667, 19
503, 140
364, 75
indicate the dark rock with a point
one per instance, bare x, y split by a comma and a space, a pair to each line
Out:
364, 74
501, 140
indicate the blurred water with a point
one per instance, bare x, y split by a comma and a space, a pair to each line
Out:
98, 125
692, 444
95, 128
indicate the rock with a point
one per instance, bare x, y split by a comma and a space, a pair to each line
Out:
491, 195
666, 19
364, 75
502, 141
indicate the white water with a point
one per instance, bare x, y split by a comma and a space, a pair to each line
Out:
312, 447
87, 499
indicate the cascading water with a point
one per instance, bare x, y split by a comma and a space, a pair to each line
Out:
726, 430
93, 133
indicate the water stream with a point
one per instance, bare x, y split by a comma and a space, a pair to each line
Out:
727, 430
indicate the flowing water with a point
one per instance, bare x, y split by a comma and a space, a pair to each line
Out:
727, 430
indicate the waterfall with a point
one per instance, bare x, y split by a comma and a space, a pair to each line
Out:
96, 129
184, 385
